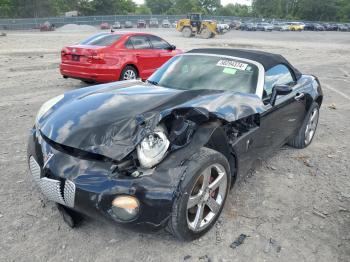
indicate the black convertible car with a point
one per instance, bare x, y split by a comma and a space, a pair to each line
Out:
165, 152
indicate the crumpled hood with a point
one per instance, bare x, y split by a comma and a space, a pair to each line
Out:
112, 119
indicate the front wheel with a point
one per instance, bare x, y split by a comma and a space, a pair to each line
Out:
186, 32
307, 131
206, 34
204, 191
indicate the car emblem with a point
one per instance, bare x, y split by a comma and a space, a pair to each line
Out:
47, 159
74, 50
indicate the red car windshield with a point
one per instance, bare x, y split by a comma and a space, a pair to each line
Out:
101, 39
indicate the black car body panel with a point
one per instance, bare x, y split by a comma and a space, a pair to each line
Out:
95, 128
90, 136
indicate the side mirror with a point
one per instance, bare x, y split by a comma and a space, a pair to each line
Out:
171, 48
279, 90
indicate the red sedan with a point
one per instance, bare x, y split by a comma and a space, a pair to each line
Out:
108, 57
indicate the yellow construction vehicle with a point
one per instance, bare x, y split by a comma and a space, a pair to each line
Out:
194, 25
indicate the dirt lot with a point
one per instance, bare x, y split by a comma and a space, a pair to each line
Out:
295, 207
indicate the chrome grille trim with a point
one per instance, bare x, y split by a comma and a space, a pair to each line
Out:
69, 193
34, 169
52, 188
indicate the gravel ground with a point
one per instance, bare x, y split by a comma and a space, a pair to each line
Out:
294, 207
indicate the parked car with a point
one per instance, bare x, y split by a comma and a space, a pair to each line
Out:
330, 27
319, 27
235, 25
309, 27
223, 28
105, 26
108, 57
248, 27
281, 27
342, 27
117, 25
264, 27
153, 22
46, 26
166, 23
141, 24
128, 24
166, 152
334, 27
296, 26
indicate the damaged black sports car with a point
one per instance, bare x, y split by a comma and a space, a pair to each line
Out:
165, 152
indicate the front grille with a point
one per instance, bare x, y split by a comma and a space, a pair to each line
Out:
52, 188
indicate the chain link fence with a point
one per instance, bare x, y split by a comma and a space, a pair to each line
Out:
34, 23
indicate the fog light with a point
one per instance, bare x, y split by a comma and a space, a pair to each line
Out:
125, 208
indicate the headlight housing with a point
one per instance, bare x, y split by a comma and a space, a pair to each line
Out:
153, 148
47, 106
125, 208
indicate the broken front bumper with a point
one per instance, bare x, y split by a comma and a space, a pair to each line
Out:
89, 187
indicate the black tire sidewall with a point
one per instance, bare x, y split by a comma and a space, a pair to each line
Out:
299, 140
196, 166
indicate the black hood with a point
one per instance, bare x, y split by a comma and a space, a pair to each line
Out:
112, 119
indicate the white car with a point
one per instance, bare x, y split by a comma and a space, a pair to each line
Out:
222, 28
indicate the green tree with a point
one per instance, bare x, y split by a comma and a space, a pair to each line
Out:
343, 13
143, 10
234, 10
186, 6
85, 7
317, 9
209, 6
5, 8
159, 6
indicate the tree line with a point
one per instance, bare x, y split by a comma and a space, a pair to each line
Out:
318, 10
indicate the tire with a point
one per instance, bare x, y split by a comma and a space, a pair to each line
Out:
186, 32
88, 82
128, 73
205, 33
182, 222
304, 138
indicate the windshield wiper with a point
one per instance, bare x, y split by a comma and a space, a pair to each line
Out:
152, 82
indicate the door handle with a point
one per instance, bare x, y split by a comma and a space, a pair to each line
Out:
299, 97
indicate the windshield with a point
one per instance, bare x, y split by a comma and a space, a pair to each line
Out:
191, 72
101, 40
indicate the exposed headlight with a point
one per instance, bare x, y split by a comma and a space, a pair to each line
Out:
153, 148
47, 106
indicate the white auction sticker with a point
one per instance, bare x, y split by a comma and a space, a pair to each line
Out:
232, 64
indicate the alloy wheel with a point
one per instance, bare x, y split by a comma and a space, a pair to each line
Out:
311, 126
129, 75
207, 197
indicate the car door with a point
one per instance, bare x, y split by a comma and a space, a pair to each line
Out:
162, 50
279, 122
144, 54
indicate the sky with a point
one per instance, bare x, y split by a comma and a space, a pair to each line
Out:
223, 2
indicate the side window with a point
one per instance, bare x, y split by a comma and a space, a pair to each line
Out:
278, 75
129, 45
158, 43
140, 42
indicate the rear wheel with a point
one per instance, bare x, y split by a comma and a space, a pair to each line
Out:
186, 32
307, 131
88, 82
128, 73
204, 191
